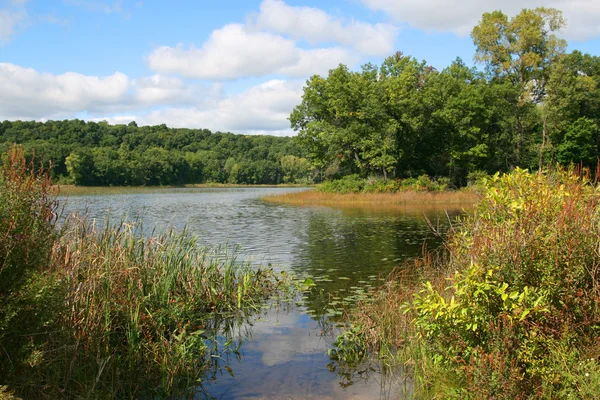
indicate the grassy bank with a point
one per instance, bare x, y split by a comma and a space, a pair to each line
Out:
380, 193
105, 312
510, 311
405, 198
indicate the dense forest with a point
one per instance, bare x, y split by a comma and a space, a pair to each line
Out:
90, 153
533, 105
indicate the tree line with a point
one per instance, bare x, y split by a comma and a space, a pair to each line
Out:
532, 105
90, 153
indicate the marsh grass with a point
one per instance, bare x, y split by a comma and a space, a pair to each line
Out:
106, 312
513, 309
405, 200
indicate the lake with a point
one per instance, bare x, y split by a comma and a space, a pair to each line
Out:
282, 353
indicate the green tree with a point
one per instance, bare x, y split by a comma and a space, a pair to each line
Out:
578, 144
295, 169
521, 50
80, 166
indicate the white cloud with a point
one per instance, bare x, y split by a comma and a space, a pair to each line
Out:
230, 52
459, 16
264, 108
316, 26
26, 93
318, 61
29, 94
159, 89
235, 51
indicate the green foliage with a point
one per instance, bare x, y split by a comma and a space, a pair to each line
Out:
522, 300
578, 144
349, 347
405, 119
348, 184
89, 153
354, 184
27, 222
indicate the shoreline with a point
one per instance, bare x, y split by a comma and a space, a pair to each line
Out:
67, 190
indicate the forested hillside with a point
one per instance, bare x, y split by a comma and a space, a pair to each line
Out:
90, 153
533, 105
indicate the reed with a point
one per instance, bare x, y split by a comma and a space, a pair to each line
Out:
106, 312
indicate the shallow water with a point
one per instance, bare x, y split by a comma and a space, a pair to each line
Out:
346, 251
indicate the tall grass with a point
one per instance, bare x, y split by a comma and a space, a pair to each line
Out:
514, 312
106, 312
404, 200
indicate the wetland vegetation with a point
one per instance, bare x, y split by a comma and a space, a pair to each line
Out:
511, 310
106, 312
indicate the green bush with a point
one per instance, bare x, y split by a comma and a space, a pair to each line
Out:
355, 184
348, 184
524, 299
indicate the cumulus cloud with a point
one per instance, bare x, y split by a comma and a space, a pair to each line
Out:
235, 51
459, 16
264, 108
317, 26
28, 94
230, 52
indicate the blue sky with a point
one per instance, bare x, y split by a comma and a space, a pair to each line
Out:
230, 65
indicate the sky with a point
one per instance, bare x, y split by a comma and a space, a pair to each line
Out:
224, 65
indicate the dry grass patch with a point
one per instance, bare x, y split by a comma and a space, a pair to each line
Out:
405, 198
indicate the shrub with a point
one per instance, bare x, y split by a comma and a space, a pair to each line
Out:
513, 312
348, 184
526, 285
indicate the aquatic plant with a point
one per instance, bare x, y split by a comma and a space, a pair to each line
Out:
106, 312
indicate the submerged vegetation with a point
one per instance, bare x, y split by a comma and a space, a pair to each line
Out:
106, 312
512, 310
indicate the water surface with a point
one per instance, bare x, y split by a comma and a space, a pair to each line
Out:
347, 251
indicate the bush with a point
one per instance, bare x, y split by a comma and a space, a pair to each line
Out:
526, 291
355, 184
512, 310
348, 184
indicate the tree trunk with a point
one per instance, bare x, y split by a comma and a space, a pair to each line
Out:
543, 143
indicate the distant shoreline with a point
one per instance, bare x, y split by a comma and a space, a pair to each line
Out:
66, 190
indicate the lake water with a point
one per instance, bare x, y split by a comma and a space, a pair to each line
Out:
346, 251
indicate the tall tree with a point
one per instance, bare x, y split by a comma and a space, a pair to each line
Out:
521, 50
